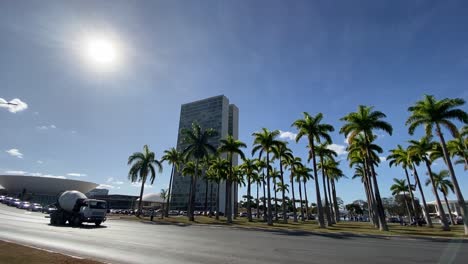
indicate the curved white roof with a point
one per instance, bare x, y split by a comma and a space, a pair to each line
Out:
152, 197
43, 185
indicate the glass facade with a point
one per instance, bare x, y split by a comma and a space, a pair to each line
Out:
215, 113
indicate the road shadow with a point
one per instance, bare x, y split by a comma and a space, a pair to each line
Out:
83, 226
165, 223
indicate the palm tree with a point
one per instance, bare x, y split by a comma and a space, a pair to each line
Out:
217, 172
265, 141
164, 195
250, 170
283, 154
323, 151
230, 146
364, 121
197, 147
260, 180
334, 176
306, 175
420, 149
174, 158
143, 165
294, 164
399, 156
431, 113
444, 185
314, 130
457, 147
357, 157
398, 187
275, 174
238, 181
205, 164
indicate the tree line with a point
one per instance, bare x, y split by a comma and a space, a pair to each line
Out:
273, 168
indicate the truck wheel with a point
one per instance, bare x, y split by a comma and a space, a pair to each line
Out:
52, 221
98, 223
76, 221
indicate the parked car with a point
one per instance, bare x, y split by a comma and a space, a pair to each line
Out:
243, 214
14, 202
7, 200
173, 212
23, 205
2, 197
49, 209
35, 207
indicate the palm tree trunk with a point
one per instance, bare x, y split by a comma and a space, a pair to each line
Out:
283, 204
407, 207
450, 210
443, 219
300, 197
217, 202
327, 204
458, 193
249, 200
335, 202
378, 199
330, 199
235, 199
372, 206
169, 192
317, 186
228, 193
206, 193
411, 195
192, 193
276, 199
265, 215
211, 200
270, 219
293, 198
258, 202
140, 202
423, 198
306, 201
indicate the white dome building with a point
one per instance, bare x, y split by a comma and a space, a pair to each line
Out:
152, 200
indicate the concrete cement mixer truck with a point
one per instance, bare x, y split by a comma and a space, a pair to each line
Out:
75, 208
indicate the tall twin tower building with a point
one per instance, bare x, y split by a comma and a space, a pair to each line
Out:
218, 114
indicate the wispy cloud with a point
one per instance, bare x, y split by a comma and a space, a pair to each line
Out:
383, 158
138, 184
19, 172
339, 149
288, 135
15, 153
53, 176
111, 180
39, 162
13, 106
105, 186
74, 174
46, 127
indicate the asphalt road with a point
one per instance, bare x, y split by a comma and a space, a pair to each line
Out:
133, 242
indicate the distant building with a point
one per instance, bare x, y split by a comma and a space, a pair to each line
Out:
95, 192
454, 207
118, 201
43, 190
218, 114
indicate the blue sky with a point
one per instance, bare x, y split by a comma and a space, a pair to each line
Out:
273, 59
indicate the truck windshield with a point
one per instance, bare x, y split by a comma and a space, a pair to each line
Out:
97, 205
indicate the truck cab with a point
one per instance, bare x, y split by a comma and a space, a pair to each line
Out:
93, 211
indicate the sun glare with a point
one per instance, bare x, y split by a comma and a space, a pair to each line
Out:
101, 52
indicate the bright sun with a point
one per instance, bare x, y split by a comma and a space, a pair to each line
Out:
101, 52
